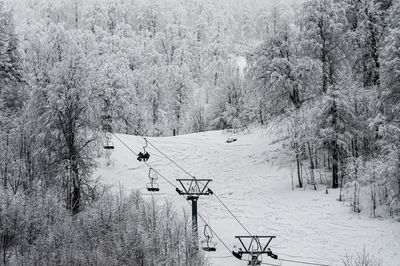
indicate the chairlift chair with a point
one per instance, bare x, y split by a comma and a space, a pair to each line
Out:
231, 139
207, 244
144, 156
108, 145
107, 128
152, 186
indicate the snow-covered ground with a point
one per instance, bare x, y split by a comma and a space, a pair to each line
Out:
309, 225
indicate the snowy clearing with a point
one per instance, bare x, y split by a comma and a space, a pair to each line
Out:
309, 225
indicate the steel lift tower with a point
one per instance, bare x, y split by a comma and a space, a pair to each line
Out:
193, 188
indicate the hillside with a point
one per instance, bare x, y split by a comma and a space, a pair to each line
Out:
310, 226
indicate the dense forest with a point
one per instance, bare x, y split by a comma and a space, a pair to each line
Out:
325, 72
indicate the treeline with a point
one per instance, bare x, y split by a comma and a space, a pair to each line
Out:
331, 76
327, 70
36, 229
64, 66
157, 68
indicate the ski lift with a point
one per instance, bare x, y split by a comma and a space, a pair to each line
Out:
106, 121
108, 145
144, 156
231, 139
107, 129
152, 186
207, 244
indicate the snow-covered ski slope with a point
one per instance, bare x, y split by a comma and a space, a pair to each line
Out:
309, 225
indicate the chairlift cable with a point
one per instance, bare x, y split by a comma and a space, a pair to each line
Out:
166, 179
144, 162
226, 207
201, 217
304, 262
234, 216
172, 161
218, 198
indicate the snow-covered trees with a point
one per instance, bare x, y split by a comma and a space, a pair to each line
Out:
284, 79
228, 107
10, 65
280, 75
391, 65
331, 76
13, 94
328, 70
390, 102
56, 84
67, 66
323, 36
367, 23
63, 107
114, 231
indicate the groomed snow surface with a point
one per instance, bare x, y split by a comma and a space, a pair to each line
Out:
309, 225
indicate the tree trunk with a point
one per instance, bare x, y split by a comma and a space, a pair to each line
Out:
374, 54
335, 166
299, 170
76, 190
261, 115
324, 61
295, 98
334, 147
4, 251
341, 187
74, 196
311, 165
329, 158
366, 74
6, 164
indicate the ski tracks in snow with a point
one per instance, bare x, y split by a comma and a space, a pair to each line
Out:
309, 225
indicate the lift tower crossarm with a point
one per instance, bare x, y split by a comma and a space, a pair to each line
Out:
194, 188
261, 249
254, 249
